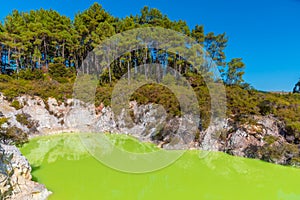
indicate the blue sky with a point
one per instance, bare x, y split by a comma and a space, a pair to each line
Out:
265, 33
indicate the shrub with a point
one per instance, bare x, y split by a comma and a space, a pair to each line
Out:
3, 120
5, 78
265, 107
270, 139
13, 135
23, 119
60, 72
16, 104
30, 74
293, 128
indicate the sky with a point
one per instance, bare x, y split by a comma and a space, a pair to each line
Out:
265, 33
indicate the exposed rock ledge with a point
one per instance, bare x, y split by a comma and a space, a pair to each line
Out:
264, 139
15, 177
150, 123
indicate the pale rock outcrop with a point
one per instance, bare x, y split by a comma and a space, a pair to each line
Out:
15, 177
151, 123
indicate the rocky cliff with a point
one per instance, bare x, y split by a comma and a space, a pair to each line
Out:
255, 137
15, 177
261, 137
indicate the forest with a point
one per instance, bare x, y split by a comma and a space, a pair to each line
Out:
34, 40
42, 51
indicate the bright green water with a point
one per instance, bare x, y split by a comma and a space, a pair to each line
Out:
64, 166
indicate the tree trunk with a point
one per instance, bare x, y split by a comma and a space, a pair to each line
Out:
1, 60
18, 61
76, 62
39, 63
175, 67
63, 51
45, 53
145, 62
8, 56
128, 69
109, 74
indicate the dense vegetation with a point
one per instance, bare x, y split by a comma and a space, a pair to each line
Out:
11, 135
41, 52
35, 40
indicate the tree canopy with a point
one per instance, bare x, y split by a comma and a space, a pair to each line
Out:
33, 40
41, 51
297, 88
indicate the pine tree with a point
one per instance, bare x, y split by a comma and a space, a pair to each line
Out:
198, 34
235, 72
297, 88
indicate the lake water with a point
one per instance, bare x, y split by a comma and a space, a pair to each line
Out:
62, 163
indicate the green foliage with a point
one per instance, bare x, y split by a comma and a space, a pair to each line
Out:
215, 45
198, 34
286, 107
42, 88
23, 119
235, 72
105, 78
295, 161
51, 47
265, 107
293, 128
13, 135
42, 40
14, 88
30, 74
84, 88
3, 120
272, 153
16, 104
60, 73
241, 102
269, 139
5, 78
154, 93
103, 94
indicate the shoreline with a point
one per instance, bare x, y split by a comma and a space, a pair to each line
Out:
53, 132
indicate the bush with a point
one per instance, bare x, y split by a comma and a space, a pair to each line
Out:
13, 135
293, 128
3, 120
242, 101
5, 78
23, 119
30, 74
270, 139
61, 73
16, 104
42, 88
57, 71
265, 107
154, 93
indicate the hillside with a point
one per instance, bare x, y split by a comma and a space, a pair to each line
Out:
42, 52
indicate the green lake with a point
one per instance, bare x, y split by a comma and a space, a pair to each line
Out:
66, 168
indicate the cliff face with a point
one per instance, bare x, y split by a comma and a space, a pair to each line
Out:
147, 122
15, 177
263, 138
260, 137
